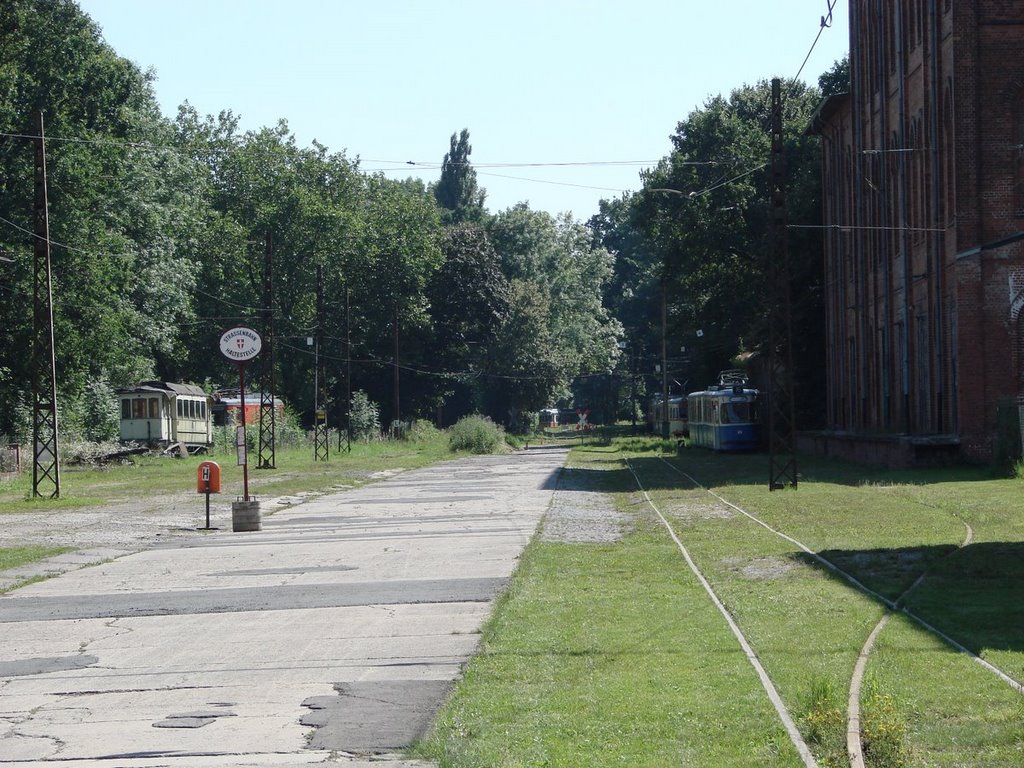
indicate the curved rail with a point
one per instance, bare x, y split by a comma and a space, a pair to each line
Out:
853, 703
769, 687
854, 740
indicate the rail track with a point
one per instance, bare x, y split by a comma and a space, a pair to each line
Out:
854, 740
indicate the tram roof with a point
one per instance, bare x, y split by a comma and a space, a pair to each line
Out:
164, 387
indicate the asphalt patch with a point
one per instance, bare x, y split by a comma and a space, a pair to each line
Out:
280, 598
191, 719
373, 717
43, 665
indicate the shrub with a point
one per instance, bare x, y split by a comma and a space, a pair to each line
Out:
365, 417
476, 434
421, 431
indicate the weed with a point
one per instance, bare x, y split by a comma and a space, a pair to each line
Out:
824, 722
883, 729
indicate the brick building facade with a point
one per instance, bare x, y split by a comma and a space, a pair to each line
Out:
923, 178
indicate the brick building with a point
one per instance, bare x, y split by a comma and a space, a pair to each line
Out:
923, 178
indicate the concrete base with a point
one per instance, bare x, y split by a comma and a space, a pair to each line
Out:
245, 516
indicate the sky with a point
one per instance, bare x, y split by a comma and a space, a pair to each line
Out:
566, 101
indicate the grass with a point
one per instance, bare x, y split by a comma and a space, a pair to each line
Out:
12, 557
612, 654
156, 476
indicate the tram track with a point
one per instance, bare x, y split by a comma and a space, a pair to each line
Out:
853, 714
773, 695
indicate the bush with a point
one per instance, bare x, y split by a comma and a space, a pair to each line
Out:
421, 431
365, 418
84, 452
476, 434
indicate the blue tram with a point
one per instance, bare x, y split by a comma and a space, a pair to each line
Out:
725, 416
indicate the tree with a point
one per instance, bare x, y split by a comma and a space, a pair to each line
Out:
122, 206
526, 369
558, 257
835, 80
703, 219
469, 301
456, 191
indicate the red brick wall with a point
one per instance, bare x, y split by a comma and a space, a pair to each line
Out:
922, 164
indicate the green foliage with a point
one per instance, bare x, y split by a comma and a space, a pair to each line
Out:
365, 418
100, 412
421, 431
456, 191
883, 729
837, 79
699, 229
557, 327
476, 434
823, 722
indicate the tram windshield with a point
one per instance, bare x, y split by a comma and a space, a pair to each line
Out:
737, 412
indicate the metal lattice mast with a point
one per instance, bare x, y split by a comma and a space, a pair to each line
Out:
781, 418
268, 415
320, 448
45, 461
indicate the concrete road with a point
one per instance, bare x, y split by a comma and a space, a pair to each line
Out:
332, 635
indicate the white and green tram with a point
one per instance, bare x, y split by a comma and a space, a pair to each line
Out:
162, 414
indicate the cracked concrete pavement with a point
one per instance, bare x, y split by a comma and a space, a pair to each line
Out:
332, 635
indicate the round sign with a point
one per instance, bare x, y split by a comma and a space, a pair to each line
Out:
240, 344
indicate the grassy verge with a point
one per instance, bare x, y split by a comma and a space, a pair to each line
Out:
612, 655
12, 557
295, 471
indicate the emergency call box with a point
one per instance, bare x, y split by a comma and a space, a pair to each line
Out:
208, 477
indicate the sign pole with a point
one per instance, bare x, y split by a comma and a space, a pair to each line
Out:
243, 449
240, 345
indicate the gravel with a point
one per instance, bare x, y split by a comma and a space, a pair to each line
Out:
580, 512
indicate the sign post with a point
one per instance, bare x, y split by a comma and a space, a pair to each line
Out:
240, 345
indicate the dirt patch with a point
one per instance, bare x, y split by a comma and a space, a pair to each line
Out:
761, 568
696, 509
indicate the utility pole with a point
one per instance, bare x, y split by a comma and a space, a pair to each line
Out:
319, 377
396, 422
664, 357
45, 459
268, 415
348, 369
632, 388
781, 413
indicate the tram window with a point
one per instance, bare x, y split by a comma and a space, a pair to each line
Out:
154, 408
138, 409
736, 413
202, 410
126, 409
